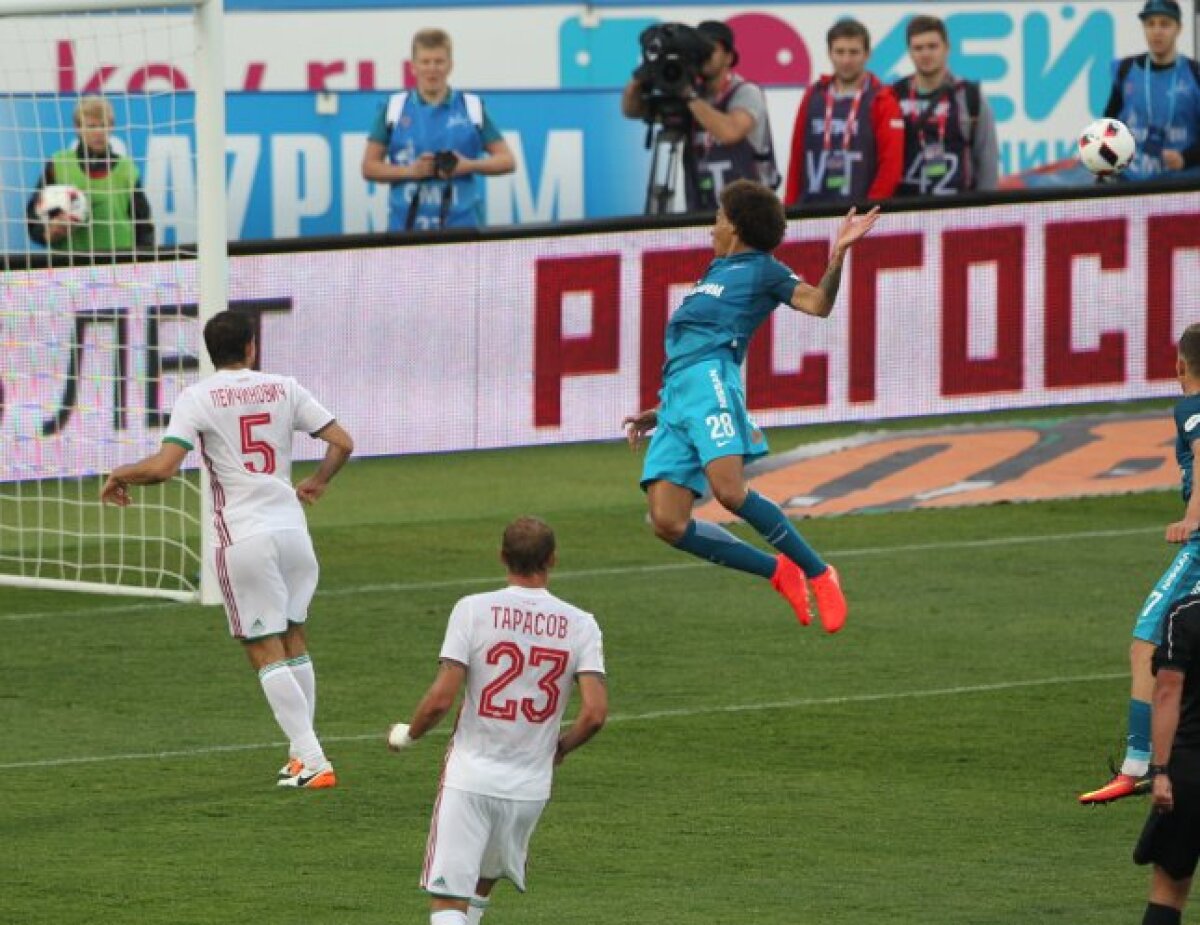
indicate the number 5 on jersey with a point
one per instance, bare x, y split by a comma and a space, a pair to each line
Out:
253, 447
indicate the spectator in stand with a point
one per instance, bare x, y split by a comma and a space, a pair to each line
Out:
848, 140
950, 141
96, 165
1157, 94
431, 143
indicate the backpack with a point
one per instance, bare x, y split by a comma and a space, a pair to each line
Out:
396, 103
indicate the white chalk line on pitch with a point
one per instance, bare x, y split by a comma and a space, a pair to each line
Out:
681, 713
568, 574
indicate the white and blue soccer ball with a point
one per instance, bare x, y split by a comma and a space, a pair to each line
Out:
1106, 147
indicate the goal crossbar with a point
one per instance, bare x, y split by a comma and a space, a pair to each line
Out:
53, 7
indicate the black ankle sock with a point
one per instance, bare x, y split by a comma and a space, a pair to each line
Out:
1161, 915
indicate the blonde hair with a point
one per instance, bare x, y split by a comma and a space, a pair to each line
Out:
432, 38
94, 107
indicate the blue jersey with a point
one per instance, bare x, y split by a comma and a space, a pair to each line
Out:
409, 127
1187, 431
1161, 106
722, 312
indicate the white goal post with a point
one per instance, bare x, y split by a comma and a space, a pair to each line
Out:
100, 321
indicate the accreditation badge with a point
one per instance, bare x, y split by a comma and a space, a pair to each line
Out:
835, 170
934, 164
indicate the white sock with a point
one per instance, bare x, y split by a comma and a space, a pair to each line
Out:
302, 670
447, 917
478, 907
1134, 768
291, 712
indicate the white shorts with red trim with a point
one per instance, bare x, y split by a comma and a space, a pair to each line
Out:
473, 836
267, 581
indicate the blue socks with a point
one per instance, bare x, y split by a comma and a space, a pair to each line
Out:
716, 544
768, 519
1138, 744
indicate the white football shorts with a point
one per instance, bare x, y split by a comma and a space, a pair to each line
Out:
267, 581
473, 836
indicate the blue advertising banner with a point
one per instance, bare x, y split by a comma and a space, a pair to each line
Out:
294, 160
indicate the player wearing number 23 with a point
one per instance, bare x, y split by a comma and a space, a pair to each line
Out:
703, 433
517, 652
242, 422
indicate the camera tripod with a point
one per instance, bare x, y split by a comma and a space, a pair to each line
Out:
668, 147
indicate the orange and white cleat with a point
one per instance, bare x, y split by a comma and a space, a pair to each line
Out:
291, 769
788, 580
320, 779
831, 602
1121, 786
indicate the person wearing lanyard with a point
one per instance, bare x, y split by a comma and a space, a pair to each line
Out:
848, 139
729, 131
1157, 94
950, 141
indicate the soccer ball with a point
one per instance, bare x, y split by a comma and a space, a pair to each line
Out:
1106, 147
61, 201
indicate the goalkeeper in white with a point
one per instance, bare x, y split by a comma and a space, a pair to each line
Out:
516, 651
242, 421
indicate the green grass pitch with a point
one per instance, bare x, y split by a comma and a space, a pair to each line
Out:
921, 767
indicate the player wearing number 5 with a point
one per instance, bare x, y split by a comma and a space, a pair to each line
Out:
516, 652
242, 421
702, 432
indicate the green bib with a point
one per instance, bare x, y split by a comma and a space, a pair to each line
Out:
110, 204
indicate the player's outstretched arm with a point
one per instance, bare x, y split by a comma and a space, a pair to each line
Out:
818, 300
340, 446
593, 711
149, 471
638, 426
433, 706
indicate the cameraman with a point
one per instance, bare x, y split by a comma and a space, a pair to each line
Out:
729, 133
430, 144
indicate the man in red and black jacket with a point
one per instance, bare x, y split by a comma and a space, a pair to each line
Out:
848, 141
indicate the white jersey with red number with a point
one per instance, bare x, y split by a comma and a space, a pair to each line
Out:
242, 422
523, 648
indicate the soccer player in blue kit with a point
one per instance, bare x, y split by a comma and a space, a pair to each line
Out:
702, 432
1180, 579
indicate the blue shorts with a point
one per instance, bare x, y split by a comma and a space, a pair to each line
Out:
1182, 578
701, 417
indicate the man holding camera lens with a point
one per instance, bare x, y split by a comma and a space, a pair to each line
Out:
432, 143
724, 115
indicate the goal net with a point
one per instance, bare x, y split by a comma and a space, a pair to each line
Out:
110, 114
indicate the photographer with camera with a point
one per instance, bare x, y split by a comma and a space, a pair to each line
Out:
430, 145
686, 85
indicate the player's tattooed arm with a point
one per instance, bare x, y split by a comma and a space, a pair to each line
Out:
818, 300
832, 280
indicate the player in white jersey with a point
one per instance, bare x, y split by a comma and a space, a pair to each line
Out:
242, 421
516, 652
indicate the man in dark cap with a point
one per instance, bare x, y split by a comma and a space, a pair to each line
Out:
730, 133
1157, 94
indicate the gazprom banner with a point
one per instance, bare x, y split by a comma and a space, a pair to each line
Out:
293, 172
